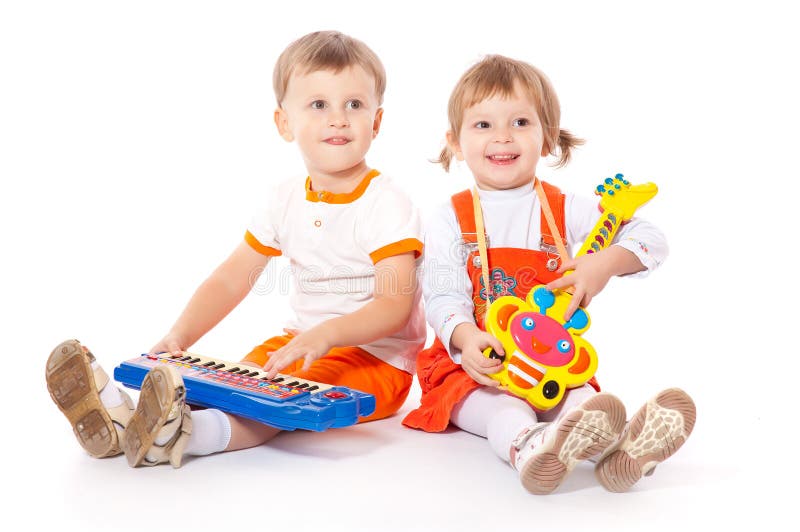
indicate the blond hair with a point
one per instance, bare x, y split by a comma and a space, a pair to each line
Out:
496, 74
326, 50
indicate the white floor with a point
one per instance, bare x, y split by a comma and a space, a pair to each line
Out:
379, 476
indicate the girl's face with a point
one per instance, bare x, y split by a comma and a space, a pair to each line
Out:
501, 140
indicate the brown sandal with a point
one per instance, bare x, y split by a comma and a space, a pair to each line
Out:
161, 406
75, 389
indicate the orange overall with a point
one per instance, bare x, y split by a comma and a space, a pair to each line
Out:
512, 271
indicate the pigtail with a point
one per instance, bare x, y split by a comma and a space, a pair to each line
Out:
444, 158
566, 142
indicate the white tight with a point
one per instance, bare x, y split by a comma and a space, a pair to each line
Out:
500, 417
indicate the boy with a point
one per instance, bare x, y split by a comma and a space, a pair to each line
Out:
352, 239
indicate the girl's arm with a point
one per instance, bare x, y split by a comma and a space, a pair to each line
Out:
387, 313
446, 286
215, 298
638, 246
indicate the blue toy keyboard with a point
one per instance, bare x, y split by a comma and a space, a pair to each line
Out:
284, 402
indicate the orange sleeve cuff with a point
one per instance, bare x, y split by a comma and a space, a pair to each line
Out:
258, 246
403, 246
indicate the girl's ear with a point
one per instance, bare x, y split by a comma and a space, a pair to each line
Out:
282, 123
376, 124
454, 146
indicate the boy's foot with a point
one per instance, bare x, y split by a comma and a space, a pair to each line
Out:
654, 434
160, 427
546, 452
75, 388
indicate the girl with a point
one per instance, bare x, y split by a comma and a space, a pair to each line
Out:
504, 116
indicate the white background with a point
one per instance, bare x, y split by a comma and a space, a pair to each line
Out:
136, 140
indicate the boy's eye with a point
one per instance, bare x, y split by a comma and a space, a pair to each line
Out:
521, 122
318, 104
353, 104
482, 124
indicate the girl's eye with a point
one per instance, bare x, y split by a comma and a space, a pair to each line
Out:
521, 122
482, 124
353, 104
318, 104
528, 324
564, 346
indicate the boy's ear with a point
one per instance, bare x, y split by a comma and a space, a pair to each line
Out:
454, 146
282, 123
376, 124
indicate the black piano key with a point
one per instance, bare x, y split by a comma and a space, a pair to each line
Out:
293, 383
252, 374
187, 357
312, 388
303, 385
244, 371
207, 364
192, 361
233, 369
278, 379
219, 366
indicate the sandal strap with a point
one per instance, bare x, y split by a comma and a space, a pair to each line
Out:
100, 378
172, 451
122, 413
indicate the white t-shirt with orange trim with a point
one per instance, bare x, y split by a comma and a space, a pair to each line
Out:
333, 242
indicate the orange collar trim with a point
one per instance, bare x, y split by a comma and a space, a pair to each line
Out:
347, 197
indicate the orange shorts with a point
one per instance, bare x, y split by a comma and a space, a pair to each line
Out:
347, 366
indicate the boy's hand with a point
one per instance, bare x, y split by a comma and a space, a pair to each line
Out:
590, 275
310, 345
474, 363
171, 343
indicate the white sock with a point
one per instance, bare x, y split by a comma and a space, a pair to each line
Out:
505, 426
109, 396
494, 415
211, 432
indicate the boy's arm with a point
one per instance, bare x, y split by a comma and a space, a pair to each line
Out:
215, 298
388, 312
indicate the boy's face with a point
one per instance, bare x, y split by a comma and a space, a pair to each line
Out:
333, 117
501, 140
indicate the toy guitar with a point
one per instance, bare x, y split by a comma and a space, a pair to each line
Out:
544, 354
284, 402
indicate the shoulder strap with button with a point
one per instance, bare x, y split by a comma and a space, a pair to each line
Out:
547, 213
481, 235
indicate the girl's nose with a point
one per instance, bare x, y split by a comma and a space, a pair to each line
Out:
503, 135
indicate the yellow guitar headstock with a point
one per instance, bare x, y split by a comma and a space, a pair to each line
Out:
620, 197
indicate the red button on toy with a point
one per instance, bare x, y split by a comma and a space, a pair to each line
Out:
335, 395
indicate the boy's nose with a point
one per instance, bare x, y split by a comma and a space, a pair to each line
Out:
338, 119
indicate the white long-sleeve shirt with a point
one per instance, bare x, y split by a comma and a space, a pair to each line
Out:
511, 219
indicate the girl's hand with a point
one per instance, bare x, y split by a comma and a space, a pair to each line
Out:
590, 275
171, 343
474, 363
310, 346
